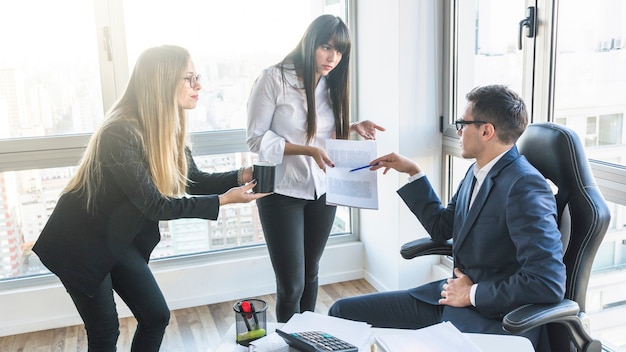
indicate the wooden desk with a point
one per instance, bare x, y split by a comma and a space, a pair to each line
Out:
487, 342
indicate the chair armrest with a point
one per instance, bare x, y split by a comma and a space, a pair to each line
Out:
567, 313
425, 246
530, 316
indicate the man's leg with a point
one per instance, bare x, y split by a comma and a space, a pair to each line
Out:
395, 309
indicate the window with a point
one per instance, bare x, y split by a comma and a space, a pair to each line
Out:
487, 56
58, 78
481, 55
589, 74
591, 71
572, 73
49, 75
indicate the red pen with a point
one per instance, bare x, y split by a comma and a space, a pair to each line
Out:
248, 308
245, 316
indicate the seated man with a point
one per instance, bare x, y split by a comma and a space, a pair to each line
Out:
507, 247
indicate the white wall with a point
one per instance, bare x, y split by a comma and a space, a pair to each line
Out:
398, 67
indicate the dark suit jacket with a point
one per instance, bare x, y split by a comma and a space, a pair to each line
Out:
81, 248
508, 242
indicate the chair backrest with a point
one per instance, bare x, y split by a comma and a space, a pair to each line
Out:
556, 151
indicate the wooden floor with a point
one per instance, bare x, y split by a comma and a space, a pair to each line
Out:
191, 329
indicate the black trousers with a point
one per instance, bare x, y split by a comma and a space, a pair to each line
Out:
296, 232
133, 281
400, 310
393, 309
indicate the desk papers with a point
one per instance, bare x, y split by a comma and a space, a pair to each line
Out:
357, 189
442, 337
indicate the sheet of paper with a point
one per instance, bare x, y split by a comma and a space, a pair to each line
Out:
358, 189
270, 343
442, 337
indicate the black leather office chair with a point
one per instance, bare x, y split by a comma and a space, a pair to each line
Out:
558, 154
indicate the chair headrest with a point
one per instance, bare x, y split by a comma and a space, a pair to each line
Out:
556, 151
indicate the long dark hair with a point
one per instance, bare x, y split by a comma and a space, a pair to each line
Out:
320, 32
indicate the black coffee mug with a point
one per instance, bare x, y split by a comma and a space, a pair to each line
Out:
264, 173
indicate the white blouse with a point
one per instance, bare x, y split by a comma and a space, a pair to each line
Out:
277, 114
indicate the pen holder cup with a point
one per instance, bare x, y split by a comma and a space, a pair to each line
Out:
264, 173
250, 320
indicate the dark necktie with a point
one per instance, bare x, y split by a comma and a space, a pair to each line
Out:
471, 192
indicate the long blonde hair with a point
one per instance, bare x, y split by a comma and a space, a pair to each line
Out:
150, 110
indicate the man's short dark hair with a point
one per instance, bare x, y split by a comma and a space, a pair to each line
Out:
502, 107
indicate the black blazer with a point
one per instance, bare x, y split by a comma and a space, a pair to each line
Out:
81, 248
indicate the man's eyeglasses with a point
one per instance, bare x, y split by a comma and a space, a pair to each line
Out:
460, 123
193, 80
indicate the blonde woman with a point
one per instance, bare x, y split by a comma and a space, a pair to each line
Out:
137, 170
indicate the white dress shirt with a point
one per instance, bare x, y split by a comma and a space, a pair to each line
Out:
277, 114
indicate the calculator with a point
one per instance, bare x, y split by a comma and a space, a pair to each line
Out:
316, 341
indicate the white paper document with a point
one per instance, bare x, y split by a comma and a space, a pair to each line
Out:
270, 343
442, 337
357, 189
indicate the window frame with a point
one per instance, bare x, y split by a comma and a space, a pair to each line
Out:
538, 91
18, 154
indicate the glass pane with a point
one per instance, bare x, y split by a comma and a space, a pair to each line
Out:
606, 298
588, 97
459, 169
51, 94
49, 75
487, 53
237, 224
591, 77
229, 46
28, 197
